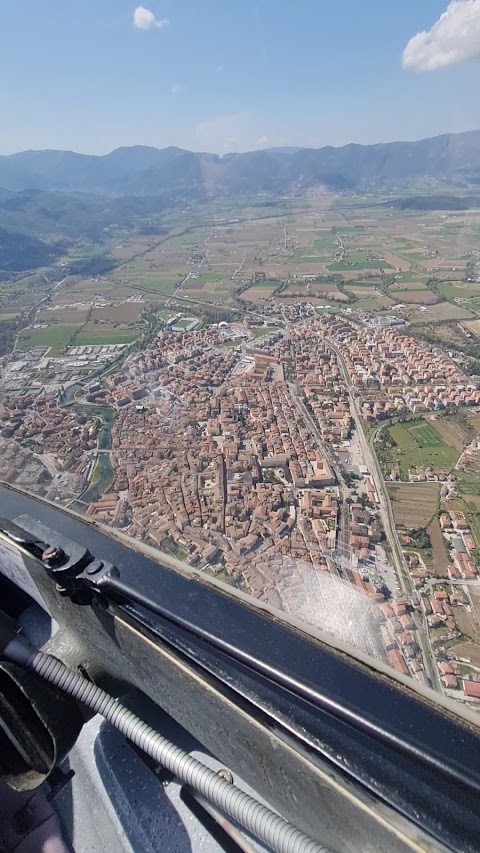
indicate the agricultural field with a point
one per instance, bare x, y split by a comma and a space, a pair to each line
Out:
413, 504
469, 623
409, 282
468, 485
458, 292
198, 280
413, 297
469, 651
376, 303
357, 263
104, 333
363, 288
64, 316
148, 285
362, 292
56, 336
440, 313
209, 294
126, 312
322, 288
474, 326
417, 444
260, 331
304, 256
378, 255
467, 500
258, 294
86, 286
457, 430
306, 291
439, 557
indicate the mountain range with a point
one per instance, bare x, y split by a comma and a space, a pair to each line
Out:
50, 199
142, 170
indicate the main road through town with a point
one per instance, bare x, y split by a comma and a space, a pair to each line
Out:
386, 514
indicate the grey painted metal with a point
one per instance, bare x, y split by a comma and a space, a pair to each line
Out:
271, 829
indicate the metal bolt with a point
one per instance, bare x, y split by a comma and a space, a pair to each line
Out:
94, 567
225, 774
52, 555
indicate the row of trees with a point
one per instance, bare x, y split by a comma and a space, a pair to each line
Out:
471, 270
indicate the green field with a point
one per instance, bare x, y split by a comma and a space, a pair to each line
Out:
418, 444
205, 296
87, 287
473, 517
468, 501
305, 256
402, 437
398, 287
349, 229
425, 435
468, 484
94, 336
206, 277
449, 291
270, 282
368, 305
57, 337
148, 283
421, 280
260, 331
403, 243
374, 283
474, 326
415, 257
358, 265
324, 243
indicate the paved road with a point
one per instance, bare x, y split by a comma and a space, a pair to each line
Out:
386, 514
373, 466
240, 268
192, 272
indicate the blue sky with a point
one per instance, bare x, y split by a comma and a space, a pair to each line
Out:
225, 76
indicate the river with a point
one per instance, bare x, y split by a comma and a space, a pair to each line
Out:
102, 473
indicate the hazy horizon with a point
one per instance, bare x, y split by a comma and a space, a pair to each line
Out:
247, 150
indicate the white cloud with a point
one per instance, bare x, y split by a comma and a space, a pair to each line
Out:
144, 19
453, 39
263, 141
